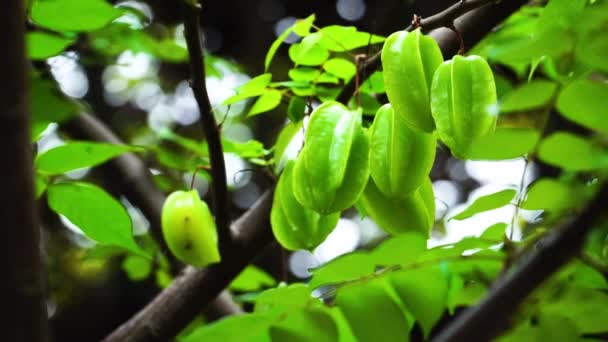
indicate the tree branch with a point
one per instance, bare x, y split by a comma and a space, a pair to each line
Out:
22, 287
491, 316
472, 18
219, 188
172, 309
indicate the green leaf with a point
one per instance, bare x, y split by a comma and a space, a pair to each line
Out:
423, 292
571, 152
41, 184
560, 14
399, 250
48, 105
284, 298
305, 74
248, 327
275, 46
252, 279
345, 38
369, 103
73, 15
296, 109
100, 217
467, 294
495, 231
374, 84
254, 87
344, 330
117, 37
505, 143
255, 84
592, 44
547, 327
42, 45
488, 202
136, 267
347, 267
268, 101
552, 195
308, 52
587, 308
385, 322
302, 26
528, 48
585, 102
327, 78
532, 95
248, 150
340, 67
304, 326
76, 155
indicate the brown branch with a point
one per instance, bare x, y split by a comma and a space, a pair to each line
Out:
473, 19
219, 187
175, 307
22, 287
491, 316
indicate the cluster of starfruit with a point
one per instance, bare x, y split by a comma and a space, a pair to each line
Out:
384, 170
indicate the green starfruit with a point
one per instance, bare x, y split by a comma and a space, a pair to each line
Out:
414, 213
409, 60
294, 226
463, 102
400, 157
189, 229
333, 167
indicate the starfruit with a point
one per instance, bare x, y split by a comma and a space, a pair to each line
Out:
333, 167
414, 213
463, 102
409, 60
294, 226
400, 157
189, 229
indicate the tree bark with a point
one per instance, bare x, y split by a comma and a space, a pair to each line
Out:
22, 286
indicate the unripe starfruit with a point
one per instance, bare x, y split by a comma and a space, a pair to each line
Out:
294, 226
414, 213
400, 157
463, 101
409, 60
189, 229
333, 167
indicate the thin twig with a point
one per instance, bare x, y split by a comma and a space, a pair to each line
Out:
519, 197
219, 187
445, 18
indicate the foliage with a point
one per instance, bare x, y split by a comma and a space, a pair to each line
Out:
542, 65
